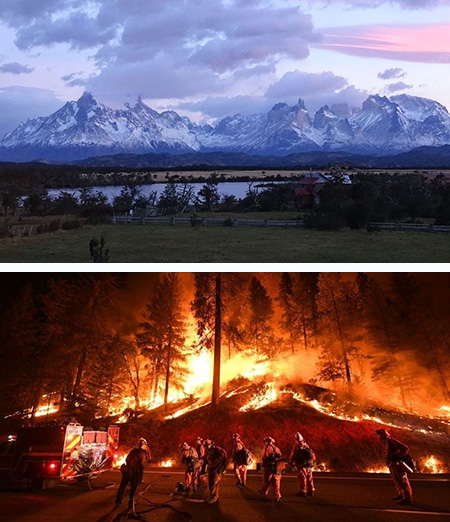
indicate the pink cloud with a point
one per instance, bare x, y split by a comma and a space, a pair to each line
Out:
428, 43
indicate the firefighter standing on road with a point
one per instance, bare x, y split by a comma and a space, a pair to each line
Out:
302, 461
216, 463
189, 457
272, 463
396, 453
133, 471
240, 460
199, 446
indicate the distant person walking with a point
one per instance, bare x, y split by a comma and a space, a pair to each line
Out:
399, 463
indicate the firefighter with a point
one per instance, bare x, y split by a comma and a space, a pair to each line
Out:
216, 463
396, 453
302, 461
272, 466
189, 457
240, 460
199, 445
133, 471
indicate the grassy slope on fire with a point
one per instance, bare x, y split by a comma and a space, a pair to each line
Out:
341, 445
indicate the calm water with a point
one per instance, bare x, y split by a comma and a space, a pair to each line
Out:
237, 189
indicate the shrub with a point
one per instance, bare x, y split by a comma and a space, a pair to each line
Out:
72, 224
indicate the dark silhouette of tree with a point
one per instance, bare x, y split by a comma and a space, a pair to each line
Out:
259, 327
381, 321
162, 334
208, 196
98, 251
337, 302
20, 347
297, 297
215, 307
81, 317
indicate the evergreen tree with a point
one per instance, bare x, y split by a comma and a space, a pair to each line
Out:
162, 334
259, 327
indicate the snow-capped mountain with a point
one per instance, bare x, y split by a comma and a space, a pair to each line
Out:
86, 128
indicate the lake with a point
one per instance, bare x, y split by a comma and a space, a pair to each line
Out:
237, 189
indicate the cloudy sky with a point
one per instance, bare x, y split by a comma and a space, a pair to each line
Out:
211, 58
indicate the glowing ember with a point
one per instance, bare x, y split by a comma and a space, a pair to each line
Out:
266, 396
433, 465
167, 463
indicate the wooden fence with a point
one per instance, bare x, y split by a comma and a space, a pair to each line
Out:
297, 223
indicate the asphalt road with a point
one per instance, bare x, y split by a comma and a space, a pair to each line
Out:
338, 498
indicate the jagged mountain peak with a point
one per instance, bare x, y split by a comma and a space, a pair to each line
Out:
86, 127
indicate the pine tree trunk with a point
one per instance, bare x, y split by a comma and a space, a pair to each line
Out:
168, 361
348, 374
78, 377
217, 342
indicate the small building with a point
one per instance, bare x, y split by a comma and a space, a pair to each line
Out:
309, 187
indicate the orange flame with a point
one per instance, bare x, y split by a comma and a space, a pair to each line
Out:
433, 465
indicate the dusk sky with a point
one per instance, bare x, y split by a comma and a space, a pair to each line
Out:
212, 58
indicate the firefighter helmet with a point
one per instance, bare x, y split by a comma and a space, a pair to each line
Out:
184, 446
270, 440
382, 432
236, 436
142, 442
298, 436
208, 443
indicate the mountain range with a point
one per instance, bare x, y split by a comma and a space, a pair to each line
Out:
85, 128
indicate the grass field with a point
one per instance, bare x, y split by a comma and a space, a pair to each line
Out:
132, 243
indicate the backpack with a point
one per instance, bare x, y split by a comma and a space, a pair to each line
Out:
304, 457
243, 457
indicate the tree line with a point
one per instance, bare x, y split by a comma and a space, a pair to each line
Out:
85, 341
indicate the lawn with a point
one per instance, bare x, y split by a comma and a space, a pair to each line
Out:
131, 243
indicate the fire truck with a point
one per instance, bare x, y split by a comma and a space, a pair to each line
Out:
45, 455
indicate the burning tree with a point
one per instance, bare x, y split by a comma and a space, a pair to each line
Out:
337, 303
297, 297
162, 335
214, 308
259, 326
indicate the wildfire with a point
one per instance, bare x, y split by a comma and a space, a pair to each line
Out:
321, 467
169, 463
42, 411
433, 465
263, 398
445, 410
384, 469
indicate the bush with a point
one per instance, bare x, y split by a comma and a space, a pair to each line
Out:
51, 226
72, 224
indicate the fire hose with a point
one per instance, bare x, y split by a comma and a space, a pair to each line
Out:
138, 515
